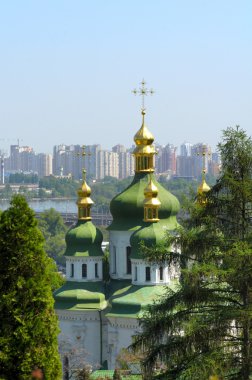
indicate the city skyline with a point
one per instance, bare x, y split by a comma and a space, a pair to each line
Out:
68, 69
69, 160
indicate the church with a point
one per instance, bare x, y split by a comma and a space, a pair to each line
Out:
98, 317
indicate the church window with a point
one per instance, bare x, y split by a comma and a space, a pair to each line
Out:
147, 274
96, 271
128, 261
65, 368
135, 273
114, 259
161, 274
84, 270
149, 213
72, 270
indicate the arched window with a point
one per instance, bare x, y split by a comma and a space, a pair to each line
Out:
135, 273
66, 368
96, 271
161, 274
114, 259
72, 270
128, 261
84, 270
147, 274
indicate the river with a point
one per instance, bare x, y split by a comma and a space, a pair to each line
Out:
38, 205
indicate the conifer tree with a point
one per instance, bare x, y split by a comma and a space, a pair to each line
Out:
28, 328
204, 327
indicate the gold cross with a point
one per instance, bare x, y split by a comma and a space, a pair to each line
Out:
83, 154
143, 91
204, 152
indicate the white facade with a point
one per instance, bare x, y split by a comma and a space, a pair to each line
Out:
119, 244
84, 268
120, 331
81, 339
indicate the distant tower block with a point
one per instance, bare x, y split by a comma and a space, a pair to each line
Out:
2, 170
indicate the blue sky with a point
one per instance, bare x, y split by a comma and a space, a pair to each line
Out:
67, 69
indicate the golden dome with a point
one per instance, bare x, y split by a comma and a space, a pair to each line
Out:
151, 190
143, 136
203, 187
84, 190
151, 202
84, 201
144, 150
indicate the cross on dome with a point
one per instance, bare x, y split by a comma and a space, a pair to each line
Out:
143, 91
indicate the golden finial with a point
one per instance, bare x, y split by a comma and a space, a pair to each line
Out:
84, 202
143, 91
151, 202
203, 187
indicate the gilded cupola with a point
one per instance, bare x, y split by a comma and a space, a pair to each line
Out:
84, 201
203, 187
151, 202
144, 151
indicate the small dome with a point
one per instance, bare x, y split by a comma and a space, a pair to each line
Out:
143, 136
151, 191
151, 234
84, 190
203, 187
84, 239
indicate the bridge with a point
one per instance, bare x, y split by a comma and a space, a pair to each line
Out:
99, 219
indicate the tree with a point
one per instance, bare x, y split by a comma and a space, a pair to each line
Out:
53, 228
29, 328
203, 326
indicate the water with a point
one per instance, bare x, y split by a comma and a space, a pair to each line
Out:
38, 205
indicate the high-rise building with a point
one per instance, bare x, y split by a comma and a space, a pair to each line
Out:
43, 164
185, 149
166, 159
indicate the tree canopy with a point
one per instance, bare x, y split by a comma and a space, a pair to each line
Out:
53, 228
29, 328
203, 327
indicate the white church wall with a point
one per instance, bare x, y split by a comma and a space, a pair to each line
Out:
120, 332
118, 243
80, 337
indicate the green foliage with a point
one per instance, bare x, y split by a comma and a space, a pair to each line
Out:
53, 228
204, 327
23, 178
28, 329
61, 187
6, 192
106, 276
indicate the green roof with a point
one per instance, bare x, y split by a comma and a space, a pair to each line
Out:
121, 297
80, 296
127, 300
83, 239
127, 207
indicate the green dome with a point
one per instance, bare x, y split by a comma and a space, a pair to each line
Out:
152, 234
80, 295
127, 208
84, 239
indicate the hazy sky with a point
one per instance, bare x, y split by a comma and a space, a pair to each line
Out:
67, 69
